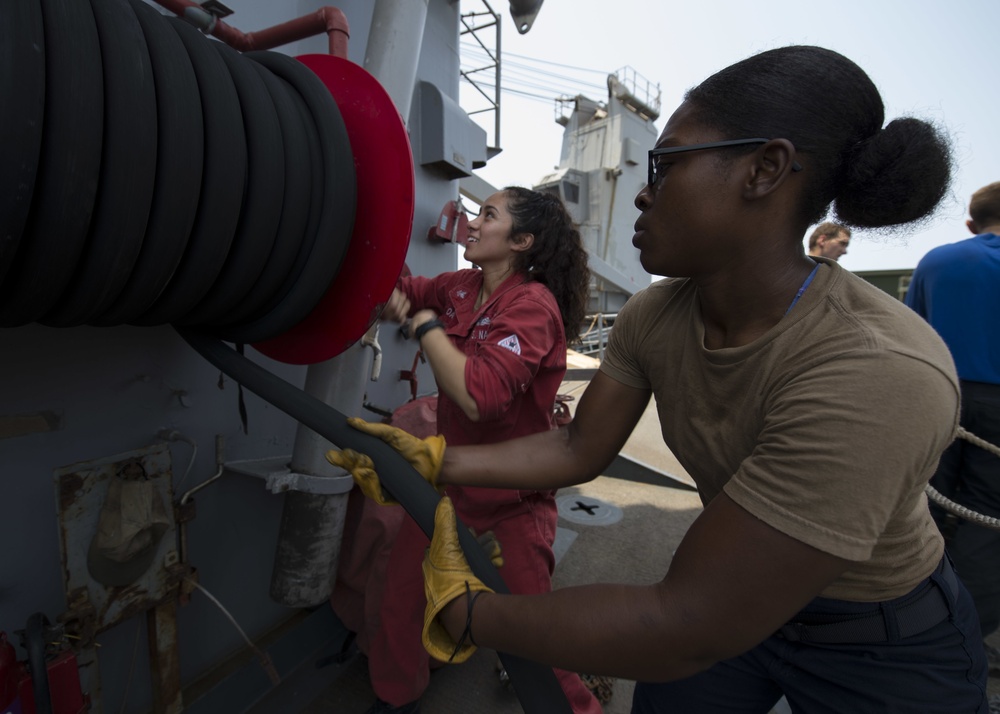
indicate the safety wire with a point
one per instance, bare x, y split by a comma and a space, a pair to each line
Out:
174, 435
262, 656
956, 508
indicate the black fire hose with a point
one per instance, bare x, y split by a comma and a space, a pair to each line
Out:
536, 686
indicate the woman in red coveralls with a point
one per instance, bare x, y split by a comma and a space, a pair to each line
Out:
496, 341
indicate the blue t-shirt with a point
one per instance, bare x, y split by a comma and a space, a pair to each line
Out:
956, 288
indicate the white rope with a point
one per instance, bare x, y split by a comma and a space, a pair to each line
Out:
958, 509
981, 443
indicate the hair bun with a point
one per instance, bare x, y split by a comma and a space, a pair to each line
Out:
896, 176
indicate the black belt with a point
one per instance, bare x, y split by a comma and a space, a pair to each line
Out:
921, 613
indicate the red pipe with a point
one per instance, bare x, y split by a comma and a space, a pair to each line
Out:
328, 19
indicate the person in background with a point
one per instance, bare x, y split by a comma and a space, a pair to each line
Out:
829, 240
809, 407
495, 338
956, 288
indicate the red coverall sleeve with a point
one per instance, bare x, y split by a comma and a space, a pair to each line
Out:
425, 293
521, 337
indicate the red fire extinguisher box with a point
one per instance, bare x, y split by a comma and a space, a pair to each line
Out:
8, 674
17, 694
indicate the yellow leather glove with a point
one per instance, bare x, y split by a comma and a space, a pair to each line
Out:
446, 576
425, 455
491, 546
362, 469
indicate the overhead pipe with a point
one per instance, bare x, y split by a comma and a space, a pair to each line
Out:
394, 44
329, 20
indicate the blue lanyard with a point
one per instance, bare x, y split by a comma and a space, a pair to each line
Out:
805, 285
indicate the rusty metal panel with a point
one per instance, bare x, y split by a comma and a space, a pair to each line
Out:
80, 491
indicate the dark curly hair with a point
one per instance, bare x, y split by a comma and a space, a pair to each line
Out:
832, 112
557, 258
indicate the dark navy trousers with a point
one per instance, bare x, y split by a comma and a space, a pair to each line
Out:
970, 476
941, 670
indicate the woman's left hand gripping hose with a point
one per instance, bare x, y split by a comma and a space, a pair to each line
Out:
425, 455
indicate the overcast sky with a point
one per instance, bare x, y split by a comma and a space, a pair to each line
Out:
933, 60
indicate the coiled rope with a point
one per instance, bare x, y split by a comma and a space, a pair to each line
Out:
956, 508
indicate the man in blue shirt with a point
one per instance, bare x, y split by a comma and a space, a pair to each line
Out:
956, 288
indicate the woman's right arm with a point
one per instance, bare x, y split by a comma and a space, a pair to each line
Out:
573, 454
397, 308
415, 292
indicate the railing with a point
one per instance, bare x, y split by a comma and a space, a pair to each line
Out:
594, 338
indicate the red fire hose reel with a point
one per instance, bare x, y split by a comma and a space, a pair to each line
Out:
383, 163
262, 200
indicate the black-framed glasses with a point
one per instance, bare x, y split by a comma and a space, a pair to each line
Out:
652, 176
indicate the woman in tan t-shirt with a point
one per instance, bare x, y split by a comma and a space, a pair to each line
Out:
814, 570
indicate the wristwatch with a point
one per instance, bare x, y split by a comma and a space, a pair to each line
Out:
427, 327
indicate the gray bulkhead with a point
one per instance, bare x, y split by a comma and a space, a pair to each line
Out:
72, 398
